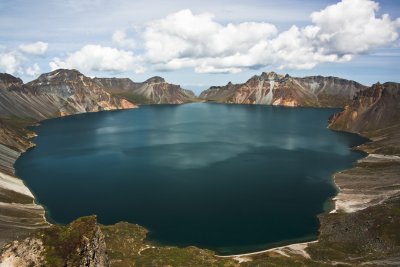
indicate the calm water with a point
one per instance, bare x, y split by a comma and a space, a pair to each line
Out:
225, 177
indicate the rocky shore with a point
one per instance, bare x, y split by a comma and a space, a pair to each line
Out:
55, 94
19, 215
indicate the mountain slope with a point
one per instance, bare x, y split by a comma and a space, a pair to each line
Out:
152, 91
375, 108
283, 90
58, 93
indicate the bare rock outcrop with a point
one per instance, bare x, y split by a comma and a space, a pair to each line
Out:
154, 90
283, 90
57, 93
374, 108
81, 243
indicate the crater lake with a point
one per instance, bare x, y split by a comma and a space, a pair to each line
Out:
231, 178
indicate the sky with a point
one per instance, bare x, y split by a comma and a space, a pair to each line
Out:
198, 44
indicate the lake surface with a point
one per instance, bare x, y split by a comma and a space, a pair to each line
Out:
232, 178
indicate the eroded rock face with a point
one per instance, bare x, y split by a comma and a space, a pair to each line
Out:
283, 90
81, 93
374, 108
92, 252
58, 93
26, 253
153, 91
9, 82
81, 243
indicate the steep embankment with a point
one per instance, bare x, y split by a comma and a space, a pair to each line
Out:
374, 113
58, 93
372, 109
153, 91
364, 228
284, 90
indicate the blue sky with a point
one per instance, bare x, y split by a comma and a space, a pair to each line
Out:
202, 43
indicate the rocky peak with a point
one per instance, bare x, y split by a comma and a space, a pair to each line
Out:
60, 75
271, 76
62, 82
392, 86
8, 81
155, 79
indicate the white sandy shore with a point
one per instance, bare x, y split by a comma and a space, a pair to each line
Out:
348, 201
297, 248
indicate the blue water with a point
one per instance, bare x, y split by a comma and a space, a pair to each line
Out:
232, 178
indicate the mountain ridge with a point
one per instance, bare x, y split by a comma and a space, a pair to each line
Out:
57, 93
376, 107
283, 90
154, 90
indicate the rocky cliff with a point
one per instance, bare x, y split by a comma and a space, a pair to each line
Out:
81, 243
152, 91
284, 90
374, 108
58, 93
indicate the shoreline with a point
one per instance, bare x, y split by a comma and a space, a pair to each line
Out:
286, 250
295, 247
299, 248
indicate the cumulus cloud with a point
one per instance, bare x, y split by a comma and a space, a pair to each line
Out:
99, 58
15, 59
338, 32
119, 38
33, 70
351, 26
38, 48
183, 40
10, 62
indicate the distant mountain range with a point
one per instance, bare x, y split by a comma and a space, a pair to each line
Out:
152, 91
64, 92
283, 90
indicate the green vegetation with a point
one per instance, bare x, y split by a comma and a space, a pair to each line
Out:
62, 243
126, 246
368, 235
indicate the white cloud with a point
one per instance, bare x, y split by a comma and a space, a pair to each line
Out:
351, 26
38, 48
186, 40
99, 58
338, 32
10, 62
16, 59
120, 39
33, 70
